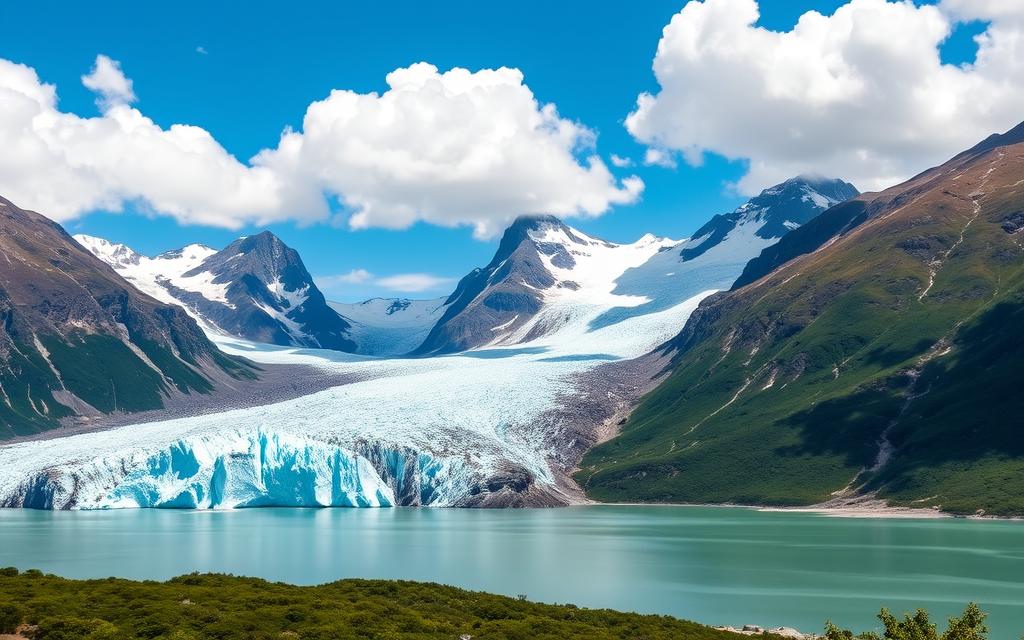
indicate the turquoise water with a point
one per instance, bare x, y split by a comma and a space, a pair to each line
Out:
718, 566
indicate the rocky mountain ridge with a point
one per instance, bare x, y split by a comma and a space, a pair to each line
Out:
256, 288
76, 340
872, 352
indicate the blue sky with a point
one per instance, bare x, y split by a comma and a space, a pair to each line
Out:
245, 71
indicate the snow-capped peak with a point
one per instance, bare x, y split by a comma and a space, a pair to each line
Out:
257, 288
113, 253
541, 265
770, 215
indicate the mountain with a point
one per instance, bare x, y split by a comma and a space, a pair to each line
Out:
256, 288
389, 326
492, 303
874, 352
540, 260
491, 427
566, 324
77, 340
772, 214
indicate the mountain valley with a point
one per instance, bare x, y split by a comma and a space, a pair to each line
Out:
548, 348
561, 324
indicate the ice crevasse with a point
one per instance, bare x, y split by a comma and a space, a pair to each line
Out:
250, 469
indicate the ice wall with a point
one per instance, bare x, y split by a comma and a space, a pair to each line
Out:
255, 469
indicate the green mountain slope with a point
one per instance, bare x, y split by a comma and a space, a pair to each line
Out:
884, 358
77, 340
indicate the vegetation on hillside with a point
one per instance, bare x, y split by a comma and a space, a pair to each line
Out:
77, 339
886, 361
225, 607
969, 626
46, 607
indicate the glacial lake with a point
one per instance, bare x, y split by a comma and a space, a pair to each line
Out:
713, 565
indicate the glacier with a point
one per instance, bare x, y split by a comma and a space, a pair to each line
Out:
251, 469
439, 432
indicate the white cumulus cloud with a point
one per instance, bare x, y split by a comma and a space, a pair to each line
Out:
452, 148
620, 161
984, 9
861, 94
400, 282
63, 165
108, 81
414, 282
659, 158
355, 276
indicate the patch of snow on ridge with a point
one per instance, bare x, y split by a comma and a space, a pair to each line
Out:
810, 195
292, 299
408, 431
567, 312
294, 329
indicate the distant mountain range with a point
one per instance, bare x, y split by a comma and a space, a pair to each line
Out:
256, 288
77, 340
540, 260
874, 351
553, 301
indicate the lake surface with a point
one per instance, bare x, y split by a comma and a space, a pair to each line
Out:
713, 565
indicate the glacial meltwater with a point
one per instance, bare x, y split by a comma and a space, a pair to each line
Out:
712, 565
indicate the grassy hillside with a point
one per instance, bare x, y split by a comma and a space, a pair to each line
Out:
218, 606
886, 360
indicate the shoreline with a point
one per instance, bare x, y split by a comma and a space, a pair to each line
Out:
863, 511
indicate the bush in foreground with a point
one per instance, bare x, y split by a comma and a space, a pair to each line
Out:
969, 626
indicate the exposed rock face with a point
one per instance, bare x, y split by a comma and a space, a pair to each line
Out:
77, 340
271, 297
256, 288
508, 292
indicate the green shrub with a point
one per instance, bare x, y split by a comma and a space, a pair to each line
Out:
969, 626
76, 629
10, 617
